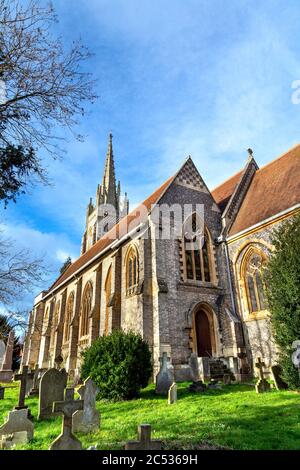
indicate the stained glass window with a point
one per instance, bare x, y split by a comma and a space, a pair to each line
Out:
254, 283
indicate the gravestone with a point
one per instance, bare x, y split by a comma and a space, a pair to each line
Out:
51, 389
2, 352
194, 366
88, 419
2, 389
165, 377
66, 440
34, 390
262, 384
172, 396
9, 441
214, 385
144, 442
23, 378
276, 374
6, 373
227, 379
17, 421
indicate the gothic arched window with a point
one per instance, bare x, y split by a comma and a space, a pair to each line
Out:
69, 314
197, 250
132, 269
107, 300
253, 281
86, 306
55, 321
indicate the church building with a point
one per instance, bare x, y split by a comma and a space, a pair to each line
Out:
183, 269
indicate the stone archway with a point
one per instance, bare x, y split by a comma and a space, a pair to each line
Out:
204, 332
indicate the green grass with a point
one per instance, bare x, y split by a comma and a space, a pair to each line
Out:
235, 417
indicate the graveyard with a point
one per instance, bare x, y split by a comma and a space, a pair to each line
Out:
232, 417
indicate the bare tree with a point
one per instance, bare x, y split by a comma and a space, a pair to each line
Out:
42, 88
19, 273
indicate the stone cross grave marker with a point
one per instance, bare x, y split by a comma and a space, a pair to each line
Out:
66, 440
144, 442
52, 385
88, 419
262, 385
23, 377
172, 395
165, 377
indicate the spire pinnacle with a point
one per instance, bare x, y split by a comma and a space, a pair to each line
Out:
109, 178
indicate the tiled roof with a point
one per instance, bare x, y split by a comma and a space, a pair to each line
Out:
223, 192
274, 188
131, 221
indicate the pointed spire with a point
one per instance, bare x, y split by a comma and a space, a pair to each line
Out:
109, 178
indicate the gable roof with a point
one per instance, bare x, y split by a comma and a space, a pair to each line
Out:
274, 188
224, 191
131, 221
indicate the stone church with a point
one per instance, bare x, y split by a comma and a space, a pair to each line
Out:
183, 269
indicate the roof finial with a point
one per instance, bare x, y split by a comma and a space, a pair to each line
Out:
250, 153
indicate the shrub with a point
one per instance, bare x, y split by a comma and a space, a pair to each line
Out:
119, 363
282, 278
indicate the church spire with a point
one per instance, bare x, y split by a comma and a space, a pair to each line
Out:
109, 178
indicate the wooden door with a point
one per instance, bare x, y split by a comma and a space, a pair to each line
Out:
204, 348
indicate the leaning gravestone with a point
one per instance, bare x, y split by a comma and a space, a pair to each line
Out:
172, 396
276, 374
262, 384
2, 392
88, 419
52, 386
144, 442
17, 421
66, 440
165, 377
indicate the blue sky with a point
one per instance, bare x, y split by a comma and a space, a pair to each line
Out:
206, 78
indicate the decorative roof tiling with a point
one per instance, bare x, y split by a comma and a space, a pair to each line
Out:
275, 187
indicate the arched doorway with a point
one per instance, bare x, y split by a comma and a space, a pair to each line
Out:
204, 333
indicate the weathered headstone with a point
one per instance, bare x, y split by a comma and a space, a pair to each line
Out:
6, 373
2, 389
9, 441
214, 385
227, 379
51, 389
165, 377
23, 378
262, 384
172, 396
276, 374
144, 442
194, 367
88, 419
34, 390
2, 352
17, 421
66, 440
